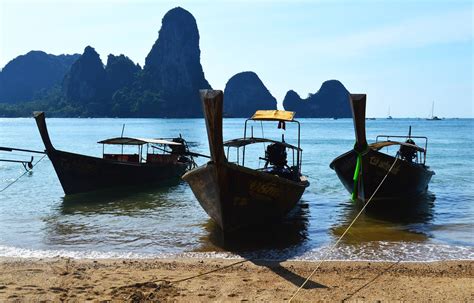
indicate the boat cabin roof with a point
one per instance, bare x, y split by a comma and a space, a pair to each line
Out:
137, 141
273, 115
246, 141
382, 144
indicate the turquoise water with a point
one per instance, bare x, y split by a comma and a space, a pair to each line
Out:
36, 219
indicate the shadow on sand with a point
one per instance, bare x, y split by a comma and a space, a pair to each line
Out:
266, 245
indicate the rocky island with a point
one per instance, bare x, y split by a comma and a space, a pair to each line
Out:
27, 76
244, 94
167, 86
330, 101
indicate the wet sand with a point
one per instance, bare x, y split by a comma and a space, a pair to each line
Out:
204, 280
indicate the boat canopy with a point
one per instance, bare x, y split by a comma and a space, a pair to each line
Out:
382, 144
137, 141
246, 141
273, 115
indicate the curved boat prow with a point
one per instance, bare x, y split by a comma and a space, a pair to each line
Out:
357, 102
41, 123
363, 169
233, 195
212, 103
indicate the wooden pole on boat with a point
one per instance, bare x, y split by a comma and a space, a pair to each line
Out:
212, 103
357, 102
10, 149
41, 123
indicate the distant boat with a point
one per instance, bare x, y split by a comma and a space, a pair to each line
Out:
362, 169
433, 117
81, 173
236, 196
389, 117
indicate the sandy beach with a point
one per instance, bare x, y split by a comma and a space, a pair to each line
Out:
239, 280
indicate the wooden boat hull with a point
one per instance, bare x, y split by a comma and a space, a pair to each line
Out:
405, 181
80, 173
236, 197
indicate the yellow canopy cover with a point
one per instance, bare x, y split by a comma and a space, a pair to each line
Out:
273, 115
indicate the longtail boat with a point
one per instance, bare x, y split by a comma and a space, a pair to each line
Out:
79, 173
362, 169
236, 196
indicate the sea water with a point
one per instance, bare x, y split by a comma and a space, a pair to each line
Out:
37, 220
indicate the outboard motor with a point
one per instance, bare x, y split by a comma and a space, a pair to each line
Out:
182, 152
178, 149
408, 153
276, 155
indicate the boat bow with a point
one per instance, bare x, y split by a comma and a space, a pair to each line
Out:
212, 103
43, 129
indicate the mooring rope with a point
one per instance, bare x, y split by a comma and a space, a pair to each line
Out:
197, 275
27, 171
210, 271
345, 232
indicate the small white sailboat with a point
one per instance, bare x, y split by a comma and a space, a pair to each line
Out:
389, 117
433, 117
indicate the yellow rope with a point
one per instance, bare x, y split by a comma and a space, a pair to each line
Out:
345, 232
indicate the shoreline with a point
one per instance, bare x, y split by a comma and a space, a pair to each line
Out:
192, 256
381, 252
235, 280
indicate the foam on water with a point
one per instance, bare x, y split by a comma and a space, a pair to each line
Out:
379, 251
386, 251
16, 252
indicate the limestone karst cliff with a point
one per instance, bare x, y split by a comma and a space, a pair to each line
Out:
27, 75
244, 94
330, 101
173, 67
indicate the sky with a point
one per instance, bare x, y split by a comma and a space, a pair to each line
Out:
406, 55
